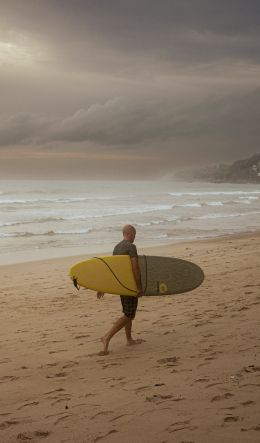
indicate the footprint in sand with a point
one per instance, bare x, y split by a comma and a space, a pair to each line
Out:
225, 396
246, 385
60, 398
6, 424
253, 428
64, 417
8, 378
48, 365
180, 425
158, 398
231, 419
200, 380
251, 368
70, 364
202, 323
243, 308
78, 337
141, 389
168, 361
58, 351
248, 403
105, 435
213, 384
118, 417
58, 375
33, 403
54, 391
101, 413
23, 436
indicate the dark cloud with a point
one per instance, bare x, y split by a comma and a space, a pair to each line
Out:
81, 32
21, 128
178, 77
123, 121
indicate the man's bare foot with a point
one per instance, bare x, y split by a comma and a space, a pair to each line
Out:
132, 342
103, 353
105, 342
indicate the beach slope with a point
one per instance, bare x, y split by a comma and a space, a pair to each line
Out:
194, 378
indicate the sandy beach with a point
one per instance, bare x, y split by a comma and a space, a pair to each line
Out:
194, 378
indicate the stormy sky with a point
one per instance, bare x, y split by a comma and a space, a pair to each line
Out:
127, 89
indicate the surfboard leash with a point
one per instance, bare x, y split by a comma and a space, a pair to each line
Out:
111, 270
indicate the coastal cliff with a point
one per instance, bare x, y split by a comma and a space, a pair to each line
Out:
241, 171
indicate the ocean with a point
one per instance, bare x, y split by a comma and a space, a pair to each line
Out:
47, 219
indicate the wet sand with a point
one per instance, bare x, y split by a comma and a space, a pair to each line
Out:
195, 378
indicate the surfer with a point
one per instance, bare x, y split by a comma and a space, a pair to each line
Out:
129, 303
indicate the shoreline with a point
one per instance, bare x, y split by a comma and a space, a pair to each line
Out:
145, 248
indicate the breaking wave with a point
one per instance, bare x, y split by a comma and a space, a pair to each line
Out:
180, 194
49, 233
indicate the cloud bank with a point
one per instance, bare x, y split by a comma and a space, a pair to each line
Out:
176, 79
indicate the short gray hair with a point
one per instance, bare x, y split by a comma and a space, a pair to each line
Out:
128, 228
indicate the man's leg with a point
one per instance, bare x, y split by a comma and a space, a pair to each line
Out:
128, 333
129, 308
119, 324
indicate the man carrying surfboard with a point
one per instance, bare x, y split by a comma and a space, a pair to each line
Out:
129, 303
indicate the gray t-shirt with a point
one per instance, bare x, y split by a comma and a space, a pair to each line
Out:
125, 248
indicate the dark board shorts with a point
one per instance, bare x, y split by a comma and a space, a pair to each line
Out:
129, 304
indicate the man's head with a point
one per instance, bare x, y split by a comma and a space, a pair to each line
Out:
129, 233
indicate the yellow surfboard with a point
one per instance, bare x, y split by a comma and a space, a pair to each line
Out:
112, 274
160, 275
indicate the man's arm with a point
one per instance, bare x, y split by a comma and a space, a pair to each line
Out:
137, 275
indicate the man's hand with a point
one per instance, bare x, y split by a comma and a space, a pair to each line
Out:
140, 293
100, 294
